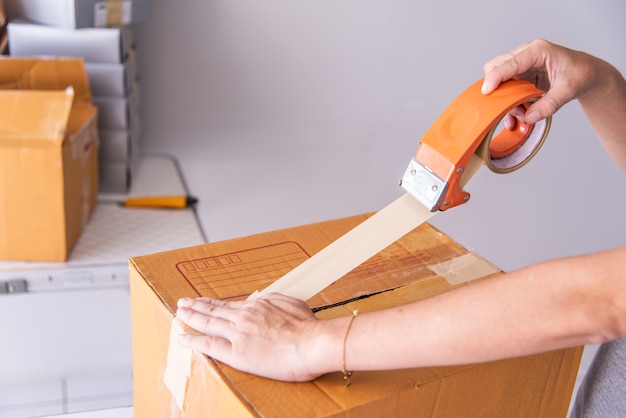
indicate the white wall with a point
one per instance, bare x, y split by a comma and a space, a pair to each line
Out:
287, 112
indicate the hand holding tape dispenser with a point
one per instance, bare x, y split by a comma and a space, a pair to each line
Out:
457, 144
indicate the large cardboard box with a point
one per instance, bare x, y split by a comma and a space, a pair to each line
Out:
422, 264
72, 14
48, 157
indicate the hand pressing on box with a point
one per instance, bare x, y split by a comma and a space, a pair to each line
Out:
270, 336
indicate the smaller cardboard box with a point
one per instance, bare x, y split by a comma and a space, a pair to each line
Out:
48, 157
171, 383
104, 45
73, 14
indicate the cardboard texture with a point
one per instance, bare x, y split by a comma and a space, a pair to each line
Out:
73, 14
537, 386
103, 45
48, 157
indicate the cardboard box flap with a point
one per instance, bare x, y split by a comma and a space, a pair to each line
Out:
39, 117
46, 74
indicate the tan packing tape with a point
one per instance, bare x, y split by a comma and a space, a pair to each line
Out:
352, 249
464, 268
178, 367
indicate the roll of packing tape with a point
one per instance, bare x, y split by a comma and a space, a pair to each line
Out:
510, 149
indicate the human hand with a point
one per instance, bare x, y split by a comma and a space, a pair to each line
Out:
269, 336
563, 74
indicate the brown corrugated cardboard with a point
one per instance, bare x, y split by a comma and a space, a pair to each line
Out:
48, 157
537, 386
72, 14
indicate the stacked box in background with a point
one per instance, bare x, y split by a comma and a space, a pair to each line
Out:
101, 33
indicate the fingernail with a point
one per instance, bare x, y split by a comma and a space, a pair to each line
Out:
508, 123
485, 88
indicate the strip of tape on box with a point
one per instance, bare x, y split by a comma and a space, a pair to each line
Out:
178, 368
464, 269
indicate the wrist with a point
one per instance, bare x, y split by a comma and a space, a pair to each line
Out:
324, 351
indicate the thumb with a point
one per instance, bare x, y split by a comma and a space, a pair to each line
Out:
545, 107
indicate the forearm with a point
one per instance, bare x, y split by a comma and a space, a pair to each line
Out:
605, 107
544, 307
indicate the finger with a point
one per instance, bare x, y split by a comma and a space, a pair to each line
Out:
214, 347
509, 121
521, 60
210, 306
547, 106
187, 302
210, 325
502, 58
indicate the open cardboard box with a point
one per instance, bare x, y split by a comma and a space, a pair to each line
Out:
48, 157
423, 263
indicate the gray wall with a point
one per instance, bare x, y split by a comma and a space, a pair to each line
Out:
287, 112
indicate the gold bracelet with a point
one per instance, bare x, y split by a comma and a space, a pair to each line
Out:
347, 374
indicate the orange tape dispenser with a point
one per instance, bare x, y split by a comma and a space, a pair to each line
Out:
465, 128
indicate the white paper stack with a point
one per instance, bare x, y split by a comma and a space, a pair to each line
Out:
67, 28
